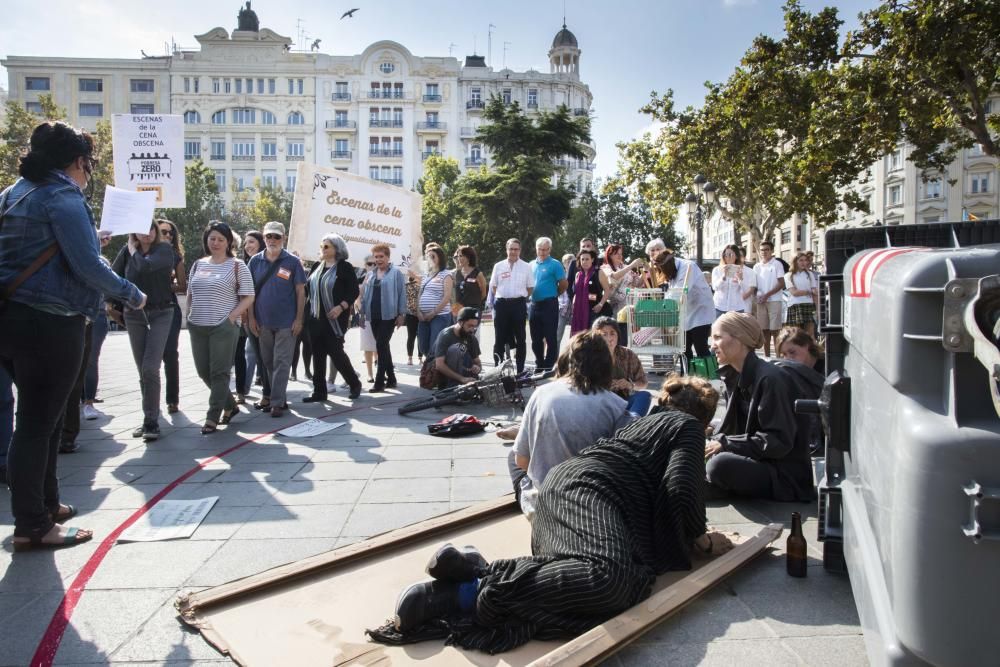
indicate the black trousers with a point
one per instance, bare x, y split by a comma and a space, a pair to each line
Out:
411, 333
543, 321
509, 317
740, 475
697, 337
43, 353
71, 416
325, 343
382, 330
171, 359
240, 366
304, 346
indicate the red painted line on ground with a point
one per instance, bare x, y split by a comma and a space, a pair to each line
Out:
49, 645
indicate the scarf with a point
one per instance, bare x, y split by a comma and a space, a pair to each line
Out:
318, 284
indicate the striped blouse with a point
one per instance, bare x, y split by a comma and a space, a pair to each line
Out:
432, 291
213, 291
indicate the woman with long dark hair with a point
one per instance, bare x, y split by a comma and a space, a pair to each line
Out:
171, 358
245, 362
433, 310
590, 292
149, 263
52, 282
220, 291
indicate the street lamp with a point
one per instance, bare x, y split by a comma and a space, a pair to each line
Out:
696, 211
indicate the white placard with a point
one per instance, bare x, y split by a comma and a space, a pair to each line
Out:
149, 155
127, 212
364, 212
169, 520
309, 428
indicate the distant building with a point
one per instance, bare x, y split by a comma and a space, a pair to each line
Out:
253, 108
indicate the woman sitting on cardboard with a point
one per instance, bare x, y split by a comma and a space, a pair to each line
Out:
608, 521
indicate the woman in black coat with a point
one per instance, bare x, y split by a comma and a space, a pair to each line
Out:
762, 449
332, 288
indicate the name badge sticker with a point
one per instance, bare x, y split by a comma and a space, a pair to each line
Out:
284, 273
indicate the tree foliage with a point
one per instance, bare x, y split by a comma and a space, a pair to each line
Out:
783, 135
203, 204
928, 67
16, 134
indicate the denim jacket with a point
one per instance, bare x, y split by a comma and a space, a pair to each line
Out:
75, 278
393, 294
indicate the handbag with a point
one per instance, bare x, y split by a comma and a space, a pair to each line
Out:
429, 376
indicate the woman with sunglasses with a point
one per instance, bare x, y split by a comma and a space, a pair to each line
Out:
220, 290
52, 282
245, 362
171, 359
332, 287
149, 263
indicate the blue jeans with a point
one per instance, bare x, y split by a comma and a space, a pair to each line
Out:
250, 354
6, 413
543, 320
97, 335
639, 402
427, 332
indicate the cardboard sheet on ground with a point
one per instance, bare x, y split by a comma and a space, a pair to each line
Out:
169, 520
309, 428
315, 611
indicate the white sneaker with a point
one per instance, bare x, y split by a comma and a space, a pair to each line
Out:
90, 412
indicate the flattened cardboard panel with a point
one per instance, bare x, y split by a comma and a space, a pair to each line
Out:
320, 619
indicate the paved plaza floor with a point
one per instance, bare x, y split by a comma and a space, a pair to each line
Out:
280, 501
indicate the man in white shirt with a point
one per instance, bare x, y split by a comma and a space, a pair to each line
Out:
510, 286
770, 284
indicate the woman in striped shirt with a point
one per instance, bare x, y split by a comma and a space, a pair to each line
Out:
220, 290
433, 310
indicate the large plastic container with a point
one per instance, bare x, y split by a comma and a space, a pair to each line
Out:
921, 532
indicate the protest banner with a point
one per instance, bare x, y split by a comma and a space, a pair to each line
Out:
364, 212
149, 156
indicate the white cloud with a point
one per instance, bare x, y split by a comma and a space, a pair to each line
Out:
651, 129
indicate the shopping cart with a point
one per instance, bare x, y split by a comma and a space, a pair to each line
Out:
655, 325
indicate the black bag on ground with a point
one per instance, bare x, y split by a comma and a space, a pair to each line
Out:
456, 425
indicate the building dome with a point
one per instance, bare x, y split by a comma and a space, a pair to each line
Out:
564, 38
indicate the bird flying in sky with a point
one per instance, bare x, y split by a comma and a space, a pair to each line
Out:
349, 14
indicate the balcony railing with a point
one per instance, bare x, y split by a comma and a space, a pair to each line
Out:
386, 95
468, 132
340, 155
427, 154
475, 104
432, 125
382, 122
244, 158
217, 157
580, 112
391, 181
532, 105
432, 98
190, 156
341, 124
475, 161
340, 97
294, 158
268, 158
385, 152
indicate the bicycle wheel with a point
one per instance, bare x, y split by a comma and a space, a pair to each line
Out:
437, 400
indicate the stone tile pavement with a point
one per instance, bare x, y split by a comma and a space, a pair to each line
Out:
280, 501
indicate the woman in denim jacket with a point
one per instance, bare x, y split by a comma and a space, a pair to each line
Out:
43, 320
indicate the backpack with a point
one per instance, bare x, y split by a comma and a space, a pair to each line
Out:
456, 425
429, 376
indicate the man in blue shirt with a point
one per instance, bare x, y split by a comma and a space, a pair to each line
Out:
276, 317
543, 318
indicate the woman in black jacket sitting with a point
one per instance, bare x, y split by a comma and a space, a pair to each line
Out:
332, 288
762, 449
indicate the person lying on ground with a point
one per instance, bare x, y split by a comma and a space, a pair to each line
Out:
608, 522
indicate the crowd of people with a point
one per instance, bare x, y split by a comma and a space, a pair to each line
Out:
254, 307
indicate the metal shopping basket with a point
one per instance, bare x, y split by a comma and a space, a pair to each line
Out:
655, 325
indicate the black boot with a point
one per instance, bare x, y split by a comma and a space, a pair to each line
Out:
449, 563
426, 601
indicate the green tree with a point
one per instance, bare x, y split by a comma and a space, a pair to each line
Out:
927, 68
203, 204
439, 210
16, 134
783, 135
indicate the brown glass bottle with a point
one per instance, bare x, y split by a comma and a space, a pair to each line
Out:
795, 549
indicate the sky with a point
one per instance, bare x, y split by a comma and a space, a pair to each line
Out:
628, 47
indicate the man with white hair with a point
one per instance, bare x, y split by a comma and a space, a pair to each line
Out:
543, 314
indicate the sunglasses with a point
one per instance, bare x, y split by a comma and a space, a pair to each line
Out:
274, 237
166, 232
369, 263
